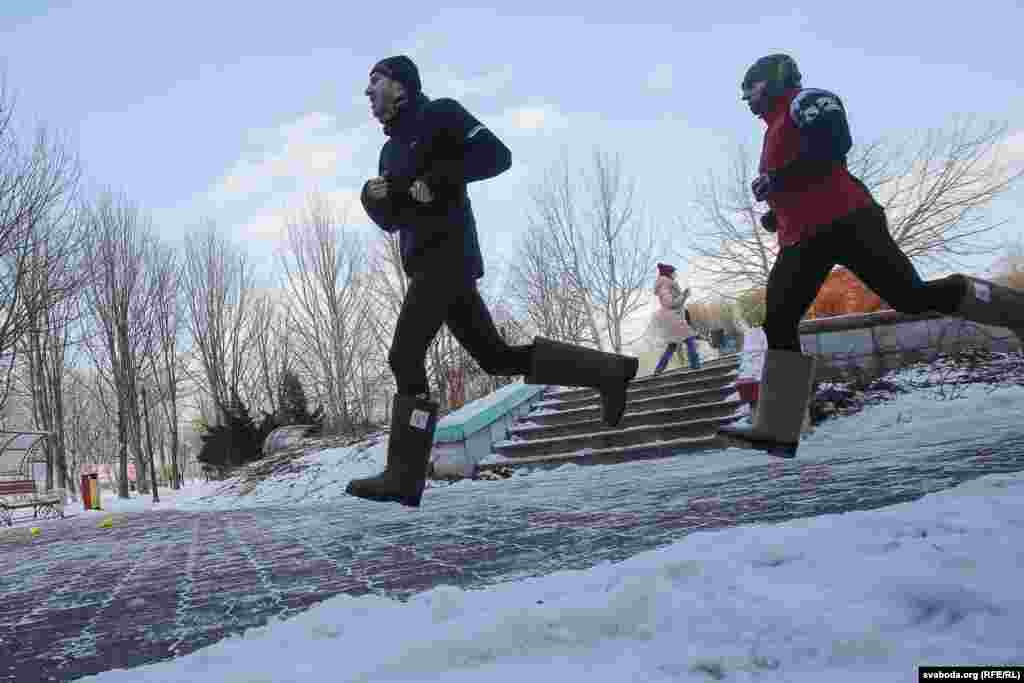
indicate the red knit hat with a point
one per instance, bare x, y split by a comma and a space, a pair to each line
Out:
665, 269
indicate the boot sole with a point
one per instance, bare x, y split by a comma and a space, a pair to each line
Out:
779, 449
408, 501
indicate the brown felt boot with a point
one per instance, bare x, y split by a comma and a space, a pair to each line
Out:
554, 362
413, 420
785, 392
991, 304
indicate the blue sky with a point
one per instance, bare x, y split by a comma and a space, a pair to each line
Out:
232, 111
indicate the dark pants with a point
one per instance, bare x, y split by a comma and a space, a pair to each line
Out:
861, 242
456, 303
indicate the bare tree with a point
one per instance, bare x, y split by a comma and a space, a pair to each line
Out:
38, 182
387, 287
121, 297
55, 264
326, 281
598, 238
166, 358
731, 248
271, 340
936, 192
937, 204
89, 420
544, 293
219, 288
556, 212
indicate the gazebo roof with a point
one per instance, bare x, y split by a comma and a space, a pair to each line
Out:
17, 448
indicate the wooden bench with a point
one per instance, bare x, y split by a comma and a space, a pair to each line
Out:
16, 494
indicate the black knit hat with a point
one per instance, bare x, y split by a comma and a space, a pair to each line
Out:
402, 69
780, 71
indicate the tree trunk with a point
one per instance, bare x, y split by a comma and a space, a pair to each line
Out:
122, 443
138, 449
149, 446
175, 448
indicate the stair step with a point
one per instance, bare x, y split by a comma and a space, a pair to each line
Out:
667, 378
608, 456
683, 384
593, 425
592, 411
614, 438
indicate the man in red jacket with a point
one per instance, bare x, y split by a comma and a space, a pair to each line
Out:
824, 216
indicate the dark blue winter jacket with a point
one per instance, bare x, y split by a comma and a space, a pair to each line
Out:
442, 144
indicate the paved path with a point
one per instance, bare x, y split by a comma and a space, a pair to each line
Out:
79, 600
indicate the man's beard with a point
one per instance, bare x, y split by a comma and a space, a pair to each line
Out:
390, 108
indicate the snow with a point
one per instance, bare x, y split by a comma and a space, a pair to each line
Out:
495, 458
537, 412
549, 402
835, 597
143, 502
480, 405
919, 418
313, 480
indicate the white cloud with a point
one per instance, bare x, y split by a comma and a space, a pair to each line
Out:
660, 78
1014, 147
532, 119
306, 151
271, 224
267, 226
447, 83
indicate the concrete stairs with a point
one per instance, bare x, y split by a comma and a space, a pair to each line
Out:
676, 412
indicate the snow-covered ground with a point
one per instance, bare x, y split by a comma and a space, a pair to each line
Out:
935, 581
912, 421
837, 597
169, 499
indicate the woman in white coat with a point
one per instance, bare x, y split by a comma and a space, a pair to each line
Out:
669, 321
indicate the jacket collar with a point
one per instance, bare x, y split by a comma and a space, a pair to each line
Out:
405, 120
780, 107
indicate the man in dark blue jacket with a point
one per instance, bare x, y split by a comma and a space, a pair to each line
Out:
434, 149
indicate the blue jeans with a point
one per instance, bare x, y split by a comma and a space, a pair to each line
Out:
691, 351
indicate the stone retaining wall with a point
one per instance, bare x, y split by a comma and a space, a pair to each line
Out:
882, 341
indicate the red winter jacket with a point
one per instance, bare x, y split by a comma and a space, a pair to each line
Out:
805, 150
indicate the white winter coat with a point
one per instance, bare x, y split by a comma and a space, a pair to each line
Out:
668, 325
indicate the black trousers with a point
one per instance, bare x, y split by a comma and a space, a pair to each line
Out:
860, 241
455, 302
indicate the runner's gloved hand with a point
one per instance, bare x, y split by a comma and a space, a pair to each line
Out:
762, 186
398, 186
421, 193
376, 188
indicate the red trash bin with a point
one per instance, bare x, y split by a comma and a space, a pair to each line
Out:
86, 497
91, 491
